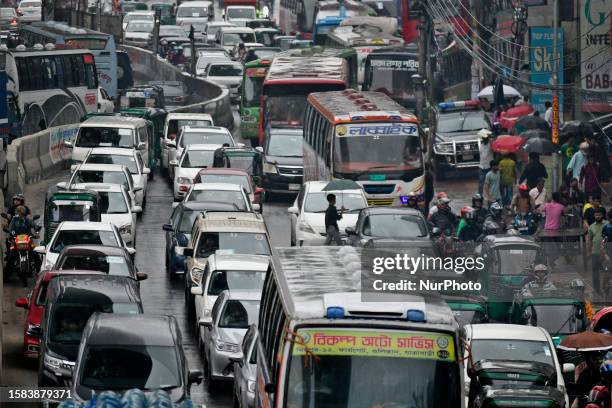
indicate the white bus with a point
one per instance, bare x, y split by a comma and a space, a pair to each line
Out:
49, 87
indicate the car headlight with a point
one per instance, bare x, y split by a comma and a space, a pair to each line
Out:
443, 148
183, 180
125, 229
57, 363
269, 168
306, 228
196, 275
227, 347
251, 385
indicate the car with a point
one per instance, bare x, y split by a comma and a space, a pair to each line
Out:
141, 15
266, 52
245, 370
132, 159
94, 173
232, 176
193, 158
397, 223
240, 232
116, 207
172, 126
178, 230
213, 26
283, 163
228, 37
144, 352
227, 272
514, 343
80, 233
139, 34
255, 23
208, 57
266, 36
106, 259
235, 52
223, 331
284, 41
29, 11
199, 33
238, 14
175, 93
172, 32
9, 21
106, 103
233, 194
144, 96
226, 74
308, 212
71, 300
194, 12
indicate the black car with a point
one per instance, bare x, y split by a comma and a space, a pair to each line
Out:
122, 352
283, 165
456, 142
71, 300
175, 93
393, 223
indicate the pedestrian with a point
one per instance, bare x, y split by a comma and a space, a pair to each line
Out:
548, 113
331, 221
538, 193
576, 196
553, 211
578, 161
507, 171
599, 149
491, 189
594, 238
486, 155
588, 211
589, 176
534, 170
567, 150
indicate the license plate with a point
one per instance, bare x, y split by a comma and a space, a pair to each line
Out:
468, 157
294, 187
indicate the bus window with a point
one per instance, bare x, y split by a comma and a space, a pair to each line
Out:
36, 74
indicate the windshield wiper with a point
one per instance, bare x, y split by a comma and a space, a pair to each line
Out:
355, 176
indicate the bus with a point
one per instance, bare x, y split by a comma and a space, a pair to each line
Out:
330, 14
366, 137
289, 81
101, 45
297, 16
389, 70
325, 342
48, 87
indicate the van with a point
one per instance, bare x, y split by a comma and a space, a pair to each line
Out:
111, 131
172, 126
194, 12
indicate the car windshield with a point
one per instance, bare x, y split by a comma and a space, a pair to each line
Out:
83, 237
150, 368
7, 12
282, 110
30, 4
140, 27
235, 38
471, 121
285, 145
235, 280
112, 202
213, 138
246, 12
235, 198
112, 265
105, 137
556, 319
266, 38
127, 161
167, 31
69, 211
363, 369
515, 261
235, 242
69, 319
239, 179
175, 125
252, 90
225, 70
198, 159
394, 226
192, 12
239, 314
511, 349
100, 176
317, 202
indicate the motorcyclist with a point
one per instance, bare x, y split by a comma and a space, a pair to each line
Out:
18, 200
20, 223
251, 56
522, 202
444, 218
178, 58
412, 201
434, 209
469, 229
494, 223
538, 280
241, 53
478, 206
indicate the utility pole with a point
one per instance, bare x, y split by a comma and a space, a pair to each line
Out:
476, 67
157, 22
555, 102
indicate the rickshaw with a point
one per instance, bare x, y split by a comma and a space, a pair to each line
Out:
69, 205
167, 16
244, 158
467, 308
144, 96
157, 118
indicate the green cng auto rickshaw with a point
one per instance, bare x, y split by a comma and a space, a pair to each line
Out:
69, 205
166, 12
468, 308
157, 118
243, 158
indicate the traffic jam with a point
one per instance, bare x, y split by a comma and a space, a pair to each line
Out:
376, 227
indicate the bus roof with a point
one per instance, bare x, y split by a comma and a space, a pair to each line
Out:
365, 34
332, 278
31, 51
353, 106
58, 29
410, 49
319, 51
302, 69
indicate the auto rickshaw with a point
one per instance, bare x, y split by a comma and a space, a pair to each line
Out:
69, 205
467, 308
144, 96
157, 118
167, 16
244, 158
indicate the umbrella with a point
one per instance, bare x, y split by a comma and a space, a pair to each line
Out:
336, 185
586, 341
530, 122
498, 94
507, 144
541, 146
535, 133
577, 128
487, 92
508, 118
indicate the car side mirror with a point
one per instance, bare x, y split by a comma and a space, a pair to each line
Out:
259, 149
350, 231
293, 210
137, 209
173, 163
188, 252
568, 368
68, 144
62, 185
197, 291
137, 189
237, 360
205, 322
41, 249
73, 168
435, 232
141, 276
146, 170
130, 250
167, 227
171, 143
36, 217
194, 377
256, 207
141, 146
175, 204
22, 302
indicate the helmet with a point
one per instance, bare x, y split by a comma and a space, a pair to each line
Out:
441, 194
600, 393
19, 197
477, 197
496, 210
540, 271
523, 187
467, 213
484, 134
241, 45
443, 202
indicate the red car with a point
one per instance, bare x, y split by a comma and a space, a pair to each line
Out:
232, 176
35, 306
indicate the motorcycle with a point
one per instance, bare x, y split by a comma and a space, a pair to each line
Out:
21, 253
523, 224
444, 243
599, 397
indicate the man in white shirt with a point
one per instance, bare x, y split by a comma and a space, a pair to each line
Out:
548, 113
486, 156
538, 193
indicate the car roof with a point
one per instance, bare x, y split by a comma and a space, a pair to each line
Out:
100, 187
497, 331
243, 295
392, 210
141, 12
206, 206
228, 62
47, 275
118, 151
231, 222
93, 250
241, 262
132, 330
224, 170
217, 187
201, 147
208, 129
85, 226
237, 30
240, 6
113, 121
286, 131
195, 3
118, 289
318, 186
220, 24
183, 115
101, 167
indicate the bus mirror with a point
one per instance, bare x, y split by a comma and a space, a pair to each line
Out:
270, 388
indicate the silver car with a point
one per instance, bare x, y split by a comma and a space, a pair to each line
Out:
245, 371
224, 330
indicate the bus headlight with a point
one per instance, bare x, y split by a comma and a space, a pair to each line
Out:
269, 168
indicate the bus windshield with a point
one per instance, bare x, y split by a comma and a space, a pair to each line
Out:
377, 147
286, 109
392, 76
336, 369
252, 90
88, 43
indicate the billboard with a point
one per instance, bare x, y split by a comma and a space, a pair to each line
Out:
541, 60
596, 63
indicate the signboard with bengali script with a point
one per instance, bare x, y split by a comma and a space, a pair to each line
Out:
377, 129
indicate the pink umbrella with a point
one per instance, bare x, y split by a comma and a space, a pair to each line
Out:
507, 144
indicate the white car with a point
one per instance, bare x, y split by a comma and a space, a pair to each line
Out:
29, 11
116, 208
226, 74
214, 26
194, 12
107, 174
222, 193
79, 233
207, 58
511, 342
193, 158
130, 158
172, 126
141, 15
139, 34
239, 13
308, 212
106, 103
227, 272
228, 37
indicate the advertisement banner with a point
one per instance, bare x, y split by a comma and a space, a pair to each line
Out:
596, 63
57, 137
541, 60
